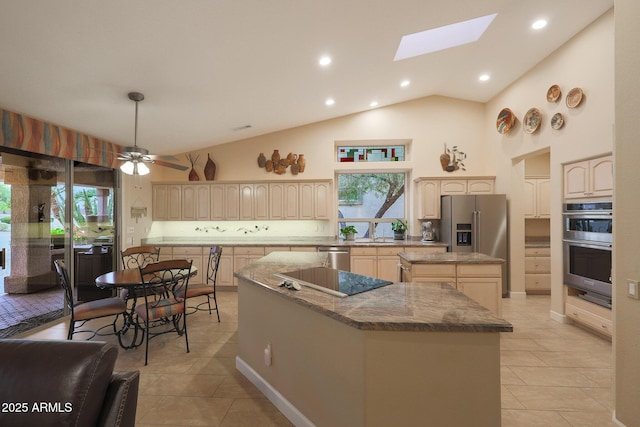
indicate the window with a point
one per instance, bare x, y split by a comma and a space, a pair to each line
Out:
371, 202
381, 153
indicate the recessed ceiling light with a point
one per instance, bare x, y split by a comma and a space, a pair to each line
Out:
484, 77
325, 61
442, 38
329, 101
373, 104
539, 24
405, 83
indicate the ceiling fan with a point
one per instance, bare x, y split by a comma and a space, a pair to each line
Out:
135, 157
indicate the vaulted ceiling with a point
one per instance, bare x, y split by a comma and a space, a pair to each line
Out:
219, 71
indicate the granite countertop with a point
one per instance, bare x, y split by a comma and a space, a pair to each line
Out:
449, 258
284, 241
422, 307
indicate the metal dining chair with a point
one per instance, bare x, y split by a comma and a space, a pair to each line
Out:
137, 257
90, 310
207, 289
164, 308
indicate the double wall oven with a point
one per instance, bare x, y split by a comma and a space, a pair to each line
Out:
587, 240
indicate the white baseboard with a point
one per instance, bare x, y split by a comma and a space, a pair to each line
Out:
517, 295
558, 317
615, 420
278, 400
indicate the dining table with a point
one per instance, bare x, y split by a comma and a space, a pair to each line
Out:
130, 333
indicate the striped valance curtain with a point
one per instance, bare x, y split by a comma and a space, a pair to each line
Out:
28, 134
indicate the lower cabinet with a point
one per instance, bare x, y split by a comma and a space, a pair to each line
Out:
537, 270
382, 261
590, 315
195, 254
364, 261
245, 255
480, 282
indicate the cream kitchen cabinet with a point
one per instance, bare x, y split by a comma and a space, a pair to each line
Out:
589, 178
225, 268
315, 200
388, 263
283, 200
231, 201
537, 270
429, 191
466, 186
429, 199
254, 201
167, 202
591, 315
364, 260
429, 273
194, 253
481, 283
537, 195
217, 199
245, 255
196, 202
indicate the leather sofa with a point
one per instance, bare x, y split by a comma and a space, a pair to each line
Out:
64, 383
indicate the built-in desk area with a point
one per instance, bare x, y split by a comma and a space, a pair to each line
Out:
399, 354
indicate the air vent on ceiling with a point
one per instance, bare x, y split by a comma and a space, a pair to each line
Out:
242, 127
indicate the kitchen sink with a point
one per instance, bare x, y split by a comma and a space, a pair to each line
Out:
381, 240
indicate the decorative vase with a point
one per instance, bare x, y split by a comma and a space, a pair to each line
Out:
275, 157
193, 175
295, 169
209, 169
302, 162
269, 165
262, 160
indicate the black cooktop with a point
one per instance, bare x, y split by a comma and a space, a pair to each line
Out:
335, 282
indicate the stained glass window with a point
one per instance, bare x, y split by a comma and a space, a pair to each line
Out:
378, 153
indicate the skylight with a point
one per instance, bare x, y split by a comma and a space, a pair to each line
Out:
442, 38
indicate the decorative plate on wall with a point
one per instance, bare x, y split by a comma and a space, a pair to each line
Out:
554, 93
531, 121
506, 120
574, 97
557, 121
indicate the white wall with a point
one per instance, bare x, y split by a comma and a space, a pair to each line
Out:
586, 61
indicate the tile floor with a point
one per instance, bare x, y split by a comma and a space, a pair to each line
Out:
552, 374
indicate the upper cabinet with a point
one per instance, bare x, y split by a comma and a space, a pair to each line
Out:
537, 194
466, 186
242, 201
429, 191
167, 202
589, 178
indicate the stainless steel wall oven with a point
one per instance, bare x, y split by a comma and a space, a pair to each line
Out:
588, 244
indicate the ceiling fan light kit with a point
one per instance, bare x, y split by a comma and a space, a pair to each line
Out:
135, 157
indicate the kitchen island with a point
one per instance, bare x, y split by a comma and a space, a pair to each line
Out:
401, 354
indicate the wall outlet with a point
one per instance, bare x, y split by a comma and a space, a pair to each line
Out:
267, 355
632, 289
131, 230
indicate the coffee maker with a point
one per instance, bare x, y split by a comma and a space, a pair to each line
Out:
428, 233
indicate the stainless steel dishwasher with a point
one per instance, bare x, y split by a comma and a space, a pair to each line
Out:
337, 257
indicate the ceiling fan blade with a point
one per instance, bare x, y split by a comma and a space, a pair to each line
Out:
170, 165
166, 157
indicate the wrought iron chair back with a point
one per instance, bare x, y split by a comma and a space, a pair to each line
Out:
89, 310
139, 256
164, 308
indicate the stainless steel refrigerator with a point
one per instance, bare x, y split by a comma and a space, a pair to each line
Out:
477, 223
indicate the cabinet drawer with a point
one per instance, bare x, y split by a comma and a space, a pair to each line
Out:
248, 250
479, 270
434, 270
542, 252
596, 309
270, 249
180, 251
390, 250
537, 282
537, 265
362, 251
590, 319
